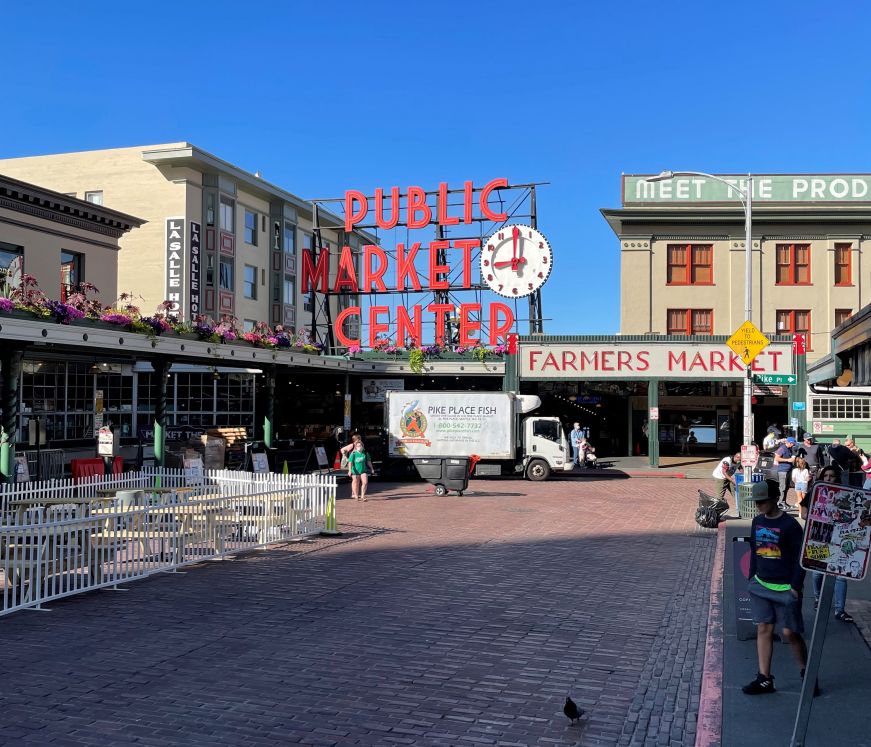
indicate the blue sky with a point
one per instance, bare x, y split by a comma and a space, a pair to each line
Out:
323, 97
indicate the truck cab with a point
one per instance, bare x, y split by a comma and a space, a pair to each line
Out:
545, 448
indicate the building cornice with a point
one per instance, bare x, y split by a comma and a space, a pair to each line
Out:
48, 205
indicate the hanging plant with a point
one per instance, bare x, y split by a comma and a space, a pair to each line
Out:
416, 358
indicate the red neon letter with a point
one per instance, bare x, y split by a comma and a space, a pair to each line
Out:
376, 327
436, 270
500, 330
417, 204
467, 245
370, 275
405, 266
469, 325
405, 326
313, 275
338, 327
379, 208
485, 196
468, 189
346, 275
352, 217
440, 310
444, 218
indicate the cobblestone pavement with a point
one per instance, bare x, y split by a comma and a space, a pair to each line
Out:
431, 621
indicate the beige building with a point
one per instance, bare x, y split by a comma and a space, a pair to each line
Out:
218, 239
683, 255
58, 239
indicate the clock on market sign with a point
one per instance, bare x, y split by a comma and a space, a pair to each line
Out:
516, 261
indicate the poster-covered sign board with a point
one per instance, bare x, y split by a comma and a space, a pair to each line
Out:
838, 531
428, 424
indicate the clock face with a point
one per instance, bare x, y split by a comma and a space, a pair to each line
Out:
516, 261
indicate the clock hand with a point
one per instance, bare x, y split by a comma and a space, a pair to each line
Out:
515, 232
513, 263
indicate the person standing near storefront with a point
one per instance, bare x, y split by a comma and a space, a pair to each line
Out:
359, 466
724, 475
784, 459
575, 438
810, 452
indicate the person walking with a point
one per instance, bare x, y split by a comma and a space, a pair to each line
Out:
575, 438
801, 478
832, 475
359, 466
784, 459
724, 476
775, 584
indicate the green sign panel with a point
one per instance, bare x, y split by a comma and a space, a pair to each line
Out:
780, 379
803, 188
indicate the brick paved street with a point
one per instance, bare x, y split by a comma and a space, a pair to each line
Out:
431, 621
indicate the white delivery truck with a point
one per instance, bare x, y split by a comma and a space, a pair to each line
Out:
487, 424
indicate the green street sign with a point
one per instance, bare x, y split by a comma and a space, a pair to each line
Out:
780, 379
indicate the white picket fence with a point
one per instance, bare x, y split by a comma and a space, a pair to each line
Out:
61, 537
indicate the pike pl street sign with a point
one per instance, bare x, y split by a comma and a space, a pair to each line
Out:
779, 379
748, 342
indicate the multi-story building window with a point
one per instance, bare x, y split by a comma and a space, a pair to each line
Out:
308, 300
70, 272
248, 325
225, 279
95, 197
690, 322
793, 264
250, 289
250, 228
11, 265
795, 322
843, 264
842, 315
289, 238
228, 214
690, 264
289, 289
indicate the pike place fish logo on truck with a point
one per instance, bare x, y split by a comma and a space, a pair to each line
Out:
413, 424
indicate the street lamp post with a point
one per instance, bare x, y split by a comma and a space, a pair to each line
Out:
746, 197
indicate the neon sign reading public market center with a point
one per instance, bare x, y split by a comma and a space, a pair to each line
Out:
376, 274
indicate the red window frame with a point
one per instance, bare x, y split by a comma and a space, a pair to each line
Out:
792, 264
842, 315
689, 264
689, 322
843, 264
795, 322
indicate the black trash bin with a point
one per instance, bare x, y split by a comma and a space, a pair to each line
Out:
446, 473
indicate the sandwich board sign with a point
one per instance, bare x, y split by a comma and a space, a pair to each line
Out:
838, 531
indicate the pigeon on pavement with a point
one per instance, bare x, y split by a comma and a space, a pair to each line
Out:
571, 710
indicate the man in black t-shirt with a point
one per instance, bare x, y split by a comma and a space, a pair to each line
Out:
776, 583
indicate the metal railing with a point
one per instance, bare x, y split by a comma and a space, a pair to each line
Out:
63, 539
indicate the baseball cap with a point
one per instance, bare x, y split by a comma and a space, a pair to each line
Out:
790, 440
764, 491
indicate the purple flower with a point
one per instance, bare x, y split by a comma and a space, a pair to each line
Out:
6, 304
62, 312
115, 317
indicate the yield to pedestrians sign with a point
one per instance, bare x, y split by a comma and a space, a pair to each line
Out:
748, 342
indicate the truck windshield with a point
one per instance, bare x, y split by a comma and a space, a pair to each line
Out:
548, 429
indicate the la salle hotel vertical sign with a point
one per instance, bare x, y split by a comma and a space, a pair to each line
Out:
175, 263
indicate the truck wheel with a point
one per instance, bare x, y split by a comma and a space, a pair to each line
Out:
538, 470
441, 490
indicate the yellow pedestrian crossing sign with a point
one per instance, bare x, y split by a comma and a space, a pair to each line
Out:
748, 342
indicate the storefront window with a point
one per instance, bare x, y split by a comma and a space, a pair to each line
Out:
70, 273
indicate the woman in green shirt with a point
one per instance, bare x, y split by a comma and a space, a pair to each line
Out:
359, 466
